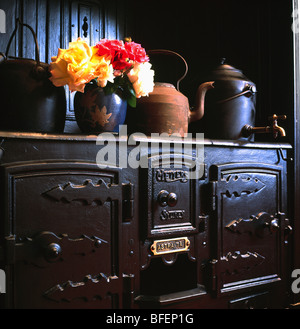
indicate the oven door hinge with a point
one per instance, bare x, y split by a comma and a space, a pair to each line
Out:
128, 290
213, 194
128, 201
212, 276
7, 251
13, 251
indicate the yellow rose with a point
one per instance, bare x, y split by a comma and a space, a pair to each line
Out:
142, 78
103, 69
77, 66
71, 66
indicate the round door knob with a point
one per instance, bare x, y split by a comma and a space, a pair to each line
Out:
274, 225
172, 199
167, 199
162, 198
52, 252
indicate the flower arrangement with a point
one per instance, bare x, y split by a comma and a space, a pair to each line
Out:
112, 64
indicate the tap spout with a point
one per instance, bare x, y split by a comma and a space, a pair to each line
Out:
275, 128
278, 130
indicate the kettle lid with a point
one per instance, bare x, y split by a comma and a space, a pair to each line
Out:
227, 72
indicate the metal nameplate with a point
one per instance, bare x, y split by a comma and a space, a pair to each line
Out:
161, 247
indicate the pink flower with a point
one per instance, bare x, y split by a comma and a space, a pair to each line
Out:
115, 50
136, 52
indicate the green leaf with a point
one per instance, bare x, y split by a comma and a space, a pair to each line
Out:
131, 101
110, 88
130, 95
126, 88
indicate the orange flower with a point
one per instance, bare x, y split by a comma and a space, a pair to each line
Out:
103, 69
77, 66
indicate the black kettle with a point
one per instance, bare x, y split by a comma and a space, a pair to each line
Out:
229, 106
29, 100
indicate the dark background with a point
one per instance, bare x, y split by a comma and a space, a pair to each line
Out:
254, 36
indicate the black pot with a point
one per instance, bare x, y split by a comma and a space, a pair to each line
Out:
229, 106
29, 100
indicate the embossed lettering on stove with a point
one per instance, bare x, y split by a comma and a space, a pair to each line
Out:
172, 214
170, 176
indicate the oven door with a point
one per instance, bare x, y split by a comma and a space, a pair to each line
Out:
248, 222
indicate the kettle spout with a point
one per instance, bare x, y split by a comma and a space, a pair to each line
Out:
198, 112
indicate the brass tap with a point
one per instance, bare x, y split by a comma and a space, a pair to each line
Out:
248, 130
276, 129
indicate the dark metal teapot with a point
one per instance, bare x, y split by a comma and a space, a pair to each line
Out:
229, 106
29, 100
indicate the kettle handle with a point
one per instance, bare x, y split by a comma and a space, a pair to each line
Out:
19, 22
250, 89
171, 52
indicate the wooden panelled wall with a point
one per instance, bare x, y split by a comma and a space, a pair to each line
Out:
57, 22
255, 38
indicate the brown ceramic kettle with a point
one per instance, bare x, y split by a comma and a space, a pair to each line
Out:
166, 109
